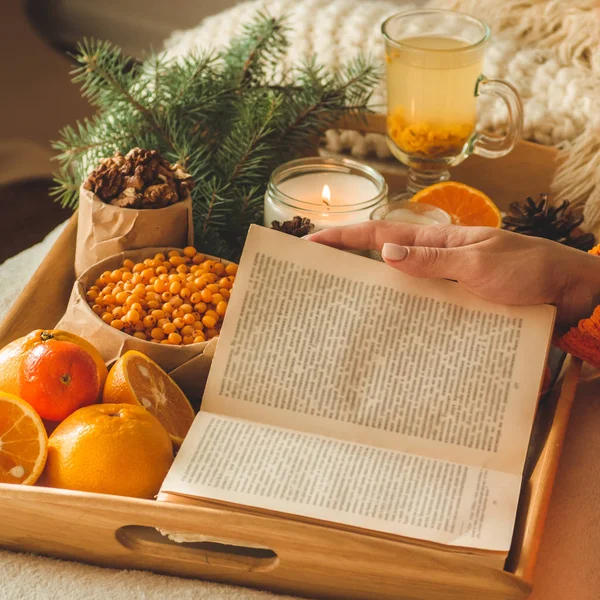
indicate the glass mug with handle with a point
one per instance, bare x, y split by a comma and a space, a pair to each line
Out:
434, 76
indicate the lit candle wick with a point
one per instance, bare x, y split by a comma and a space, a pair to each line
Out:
326, 195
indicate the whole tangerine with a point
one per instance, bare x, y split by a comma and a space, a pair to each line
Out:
56, 372
110, 449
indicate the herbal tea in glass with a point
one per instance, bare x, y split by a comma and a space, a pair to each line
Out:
434, 65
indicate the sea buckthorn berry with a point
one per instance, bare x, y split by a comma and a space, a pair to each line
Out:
198, 259
196, 297
149, 321
177, 313
217, 298
162, 322
160, 257
221, 308
179, 322
91, 295
200, 307
197, 325
160, 270
188, 318
169, 328
186, 330
187, 340
128, 287
219, 269
183, 269
177, 260
117, 312
189, 251
137, 307
166, 296
206, 295
211, 313
231, 269
116, 275
133, 316
185, 293
158, 314
147, 274
225, 293
128, 263
158, 334
139, 326
117, 324
127, 276
174, 338
209, 322
176, 301
211, 333
140, 335
108, 317
160, 286
121, 297
213, 288
175, 287
199, 339
109, 299
168, 307
97, 309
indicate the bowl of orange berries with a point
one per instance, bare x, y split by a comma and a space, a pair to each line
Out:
168, 303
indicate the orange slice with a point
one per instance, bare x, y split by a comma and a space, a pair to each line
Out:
23, 441
137, 379
466, 205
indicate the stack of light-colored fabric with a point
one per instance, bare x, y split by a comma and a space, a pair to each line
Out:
548, 49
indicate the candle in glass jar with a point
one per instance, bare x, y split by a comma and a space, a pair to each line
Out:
330, 192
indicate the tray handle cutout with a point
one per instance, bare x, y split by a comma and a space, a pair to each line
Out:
149, 541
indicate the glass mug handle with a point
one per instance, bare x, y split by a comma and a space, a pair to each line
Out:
491, 146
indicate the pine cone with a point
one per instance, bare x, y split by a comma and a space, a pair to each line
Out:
298, 226
540, 219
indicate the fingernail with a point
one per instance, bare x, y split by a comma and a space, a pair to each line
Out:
394, 252
306, 237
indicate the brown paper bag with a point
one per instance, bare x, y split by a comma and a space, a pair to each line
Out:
188, 365
103, 230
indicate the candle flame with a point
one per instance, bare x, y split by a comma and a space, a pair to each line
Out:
326, 195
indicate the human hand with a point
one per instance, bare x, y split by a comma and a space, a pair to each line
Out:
496, 265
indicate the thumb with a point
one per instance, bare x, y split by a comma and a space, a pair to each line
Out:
423, 261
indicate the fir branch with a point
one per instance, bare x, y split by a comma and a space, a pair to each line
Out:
258, 50
229, 119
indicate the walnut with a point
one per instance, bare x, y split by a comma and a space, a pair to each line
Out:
158, 196
128, 198
140, 179
106, 181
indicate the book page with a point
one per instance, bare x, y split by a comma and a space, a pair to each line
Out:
359, 485
327, 342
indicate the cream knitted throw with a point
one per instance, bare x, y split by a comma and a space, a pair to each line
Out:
549, 49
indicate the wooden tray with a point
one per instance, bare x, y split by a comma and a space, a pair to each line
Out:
302, 558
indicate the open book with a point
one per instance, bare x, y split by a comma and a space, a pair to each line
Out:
344, 391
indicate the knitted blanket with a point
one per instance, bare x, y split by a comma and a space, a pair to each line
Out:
548, 49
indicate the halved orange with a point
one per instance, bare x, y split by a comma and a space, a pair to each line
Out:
466, 205
23, 441
137, 379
